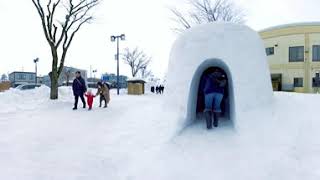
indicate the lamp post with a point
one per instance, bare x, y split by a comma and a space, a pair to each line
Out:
94, 73
36, 69
122, 37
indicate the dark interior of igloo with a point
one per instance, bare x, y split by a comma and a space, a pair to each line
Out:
225, 104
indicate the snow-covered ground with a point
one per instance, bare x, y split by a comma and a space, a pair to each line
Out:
133, 140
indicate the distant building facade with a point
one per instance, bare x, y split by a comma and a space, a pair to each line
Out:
66, 77
17, 78
293, 53
112, 79
92, 82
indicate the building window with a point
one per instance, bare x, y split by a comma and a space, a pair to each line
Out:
32, 77
296, 54
270, 51
22, 77
316, 53
298, 82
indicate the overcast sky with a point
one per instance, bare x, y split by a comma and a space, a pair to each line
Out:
146, 24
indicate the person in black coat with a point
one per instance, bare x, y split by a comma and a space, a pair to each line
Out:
79, 88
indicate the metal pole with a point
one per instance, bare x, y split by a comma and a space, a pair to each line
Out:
90, 71
118, 83
36, 73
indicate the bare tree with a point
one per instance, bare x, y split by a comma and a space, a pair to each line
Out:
60, 29
137, 60
146, 73
4, 77
206, 11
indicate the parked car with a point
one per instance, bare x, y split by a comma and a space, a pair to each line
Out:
27, 86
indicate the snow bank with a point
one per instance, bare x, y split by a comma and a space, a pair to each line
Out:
236, 49
21, 100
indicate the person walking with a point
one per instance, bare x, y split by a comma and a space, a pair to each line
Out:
162, 89
79, 88
213, 91
104, 92
90, 98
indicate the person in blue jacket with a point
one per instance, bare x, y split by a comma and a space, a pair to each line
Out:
213, 90
79, 88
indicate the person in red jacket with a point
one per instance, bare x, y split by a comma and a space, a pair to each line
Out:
90, 98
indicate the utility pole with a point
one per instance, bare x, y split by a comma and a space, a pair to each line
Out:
36, 69
90, 71
113, 39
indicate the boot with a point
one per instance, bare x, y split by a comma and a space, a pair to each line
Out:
75, 108
208, 119
215, 119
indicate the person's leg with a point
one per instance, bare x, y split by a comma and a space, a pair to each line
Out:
208, 110
215, 119
83, 101
105, 102
76, 98
208, 116
90, 105
208, 100
217, 102
101, 99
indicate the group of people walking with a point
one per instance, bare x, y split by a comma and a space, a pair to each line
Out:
158, 89
213, 86
79, 88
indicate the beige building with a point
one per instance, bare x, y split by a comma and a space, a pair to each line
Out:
293, 52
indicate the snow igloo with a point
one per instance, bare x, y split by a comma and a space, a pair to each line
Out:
239, 52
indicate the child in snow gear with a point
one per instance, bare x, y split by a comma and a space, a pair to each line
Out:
90, 98
79, 88
103, 91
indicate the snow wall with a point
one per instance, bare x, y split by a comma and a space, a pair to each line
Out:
239, 51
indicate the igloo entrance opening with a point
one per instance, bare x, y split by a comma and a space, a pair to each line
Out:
201, 96
225, 104
196, 96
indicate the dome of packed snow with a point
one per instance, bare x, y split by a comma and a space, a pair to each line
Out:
235, 49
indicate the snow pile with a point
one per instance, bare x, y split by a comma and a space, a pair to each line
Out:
237, 50
20, 100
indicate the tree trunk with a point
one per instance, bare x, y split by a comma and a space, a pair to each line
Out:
54, 87
54, 75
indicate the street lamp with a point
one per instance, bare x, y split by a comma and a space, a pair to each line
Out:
94, 73
36, 69
122, 37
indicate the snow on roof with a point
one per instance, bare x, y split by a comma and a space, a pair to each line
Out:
301, 24
135, 79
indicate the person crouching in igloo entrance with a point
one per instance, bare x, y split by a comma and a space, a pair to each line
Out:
213, 88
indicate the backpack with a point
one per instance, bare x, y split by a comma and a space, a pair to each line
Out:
107, 85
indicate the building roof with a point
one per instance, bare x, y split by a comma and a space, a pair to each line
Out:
136, 80
23, 72
290, 29
291, 25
